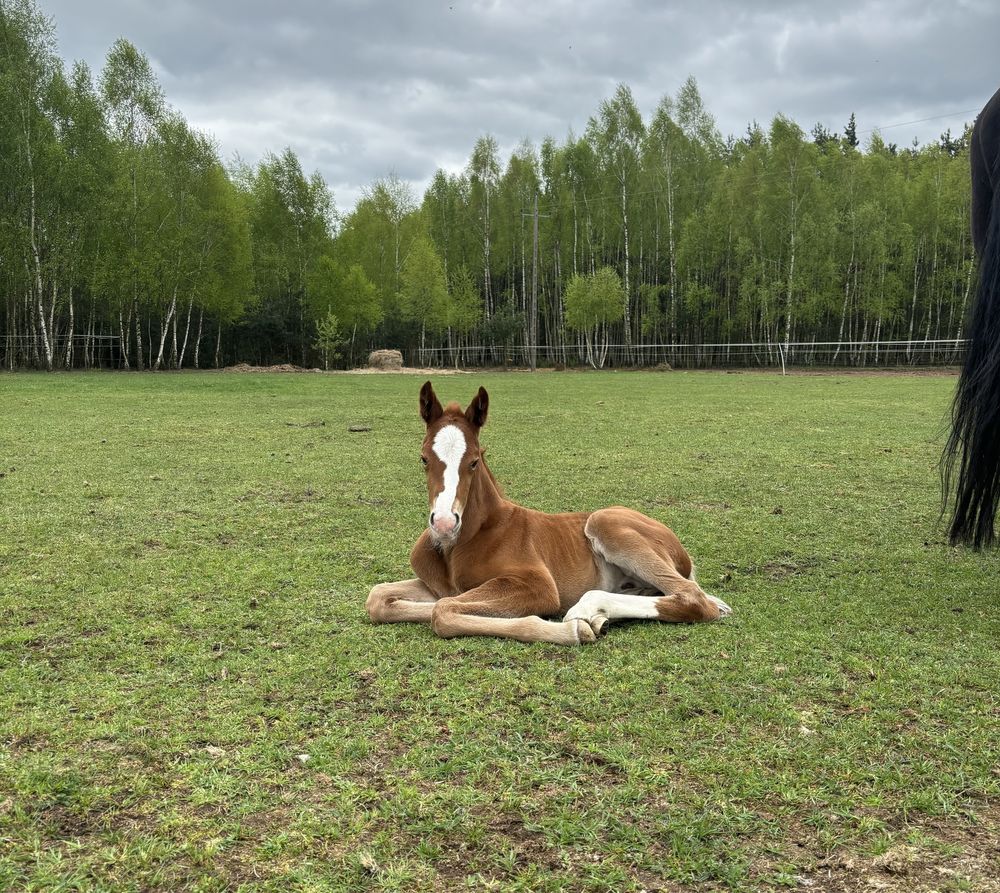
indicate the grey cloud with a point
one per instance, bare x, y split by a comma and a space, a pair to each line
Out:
358, 89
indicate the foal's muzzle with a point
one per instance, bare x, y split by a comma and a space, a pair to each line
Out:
445, 523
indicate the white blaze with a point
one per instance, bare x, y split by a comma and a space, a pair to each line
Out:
449, 447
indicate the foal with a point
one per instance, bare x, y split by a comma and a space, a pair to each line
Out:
486, 566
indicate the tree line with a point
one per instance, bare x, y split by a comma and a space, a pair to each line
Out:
125, 241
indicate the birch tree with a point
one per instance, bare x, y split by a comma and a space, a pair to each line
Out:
484, 176
29, 66
594, 302
616, 133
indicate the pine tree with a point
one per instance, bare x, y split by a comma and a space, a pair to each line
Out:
851, 133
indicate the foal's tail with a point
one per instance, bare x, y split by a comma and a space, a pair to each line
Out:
974, 442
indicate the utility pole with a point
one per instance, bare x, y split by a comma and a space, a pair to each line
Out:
533, 326
533, 308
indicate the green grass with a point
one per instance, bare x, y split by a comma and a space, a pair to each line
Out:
191, 697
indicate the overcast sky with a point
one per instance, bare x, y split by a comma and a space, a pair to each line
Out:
359, 89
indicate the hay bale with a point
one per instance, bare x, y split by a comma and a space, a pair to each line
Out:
385, 359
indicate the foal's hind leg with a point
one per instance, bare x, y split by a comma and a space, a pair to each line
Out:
650, 554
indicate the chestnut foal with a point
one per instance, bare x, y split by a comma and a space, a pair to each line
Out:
488, 567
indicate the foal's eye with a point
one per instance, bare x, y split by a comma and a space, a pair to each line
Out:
472, 467
423, 461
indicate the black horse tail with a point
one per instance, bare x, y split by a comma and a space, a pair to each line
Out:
974, 443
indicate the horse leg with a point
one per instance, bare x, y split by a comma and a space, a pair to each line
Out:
509, 607
647, 552
409, 601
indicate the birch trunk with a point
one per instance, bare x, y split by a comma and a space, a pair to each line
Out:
197, 340
88, 358
913, 306
33, 234
35, 356
52, 318
574, 236
672, 251
187, 330
930, 287
628, 309
173, 344
487, 294
39, 294
965, 299
165, 330
123, 339
138, 335
791, 273
859, 351
69, 334
847, 292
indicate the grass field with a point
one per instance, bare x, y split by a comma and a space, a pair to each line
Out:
191, 697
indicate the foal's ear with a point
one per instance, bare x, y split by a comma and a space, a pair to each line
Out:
430, 406
476, 413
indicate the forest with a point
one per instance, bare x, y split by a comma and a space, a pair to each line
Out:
127, 242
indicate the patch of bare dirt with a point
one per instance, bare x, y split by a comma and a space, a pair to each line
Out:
402, 370
244, 368
281, 367
507, 832
949, 855
711, 506
279, 496
777, 569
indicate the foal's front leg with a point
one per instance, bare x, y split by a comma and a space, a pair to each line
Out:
409, 601
509, 607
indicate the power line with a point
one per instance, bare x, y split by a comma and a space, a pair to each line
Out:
921, 120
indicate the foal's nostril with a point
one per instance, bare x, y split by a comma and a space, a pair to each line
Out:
444, 523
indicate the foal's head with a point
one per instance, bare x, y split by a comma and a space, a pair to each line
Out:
450, 455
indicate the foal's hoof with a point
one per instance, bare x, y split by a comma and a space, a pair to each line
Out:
724, 609
599, 625
584, 634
